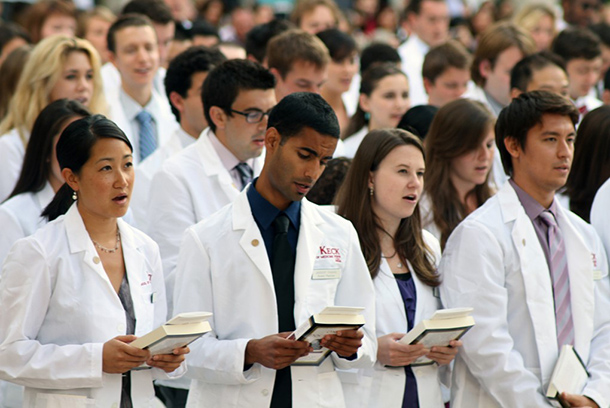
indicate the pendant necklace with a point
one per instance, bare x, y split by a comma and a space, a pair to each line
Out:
110, 250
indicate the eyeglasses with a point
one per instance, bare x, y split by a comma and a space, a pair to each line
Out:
254, 116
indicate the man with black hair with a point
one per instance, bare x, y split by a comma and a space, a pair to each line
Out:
267, 262
581, 51
237, 97
602, 30
543, 71
183, 85
260, 35
535, 273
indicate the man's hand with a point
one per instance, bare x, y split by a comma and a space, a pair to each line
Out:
276, 351
169, 362
578, 400
392, 353
444, 355
345, 343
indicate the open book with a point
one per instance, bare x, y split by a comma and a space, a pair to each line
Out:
329, 321
569, 375
178, 332
445, 325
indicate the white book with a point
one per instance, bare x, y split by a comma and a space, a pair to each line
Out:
445, 325
177, 332
569, 375
329, 321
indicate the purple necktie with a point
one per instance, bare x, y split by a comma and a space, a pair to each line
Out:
561, 280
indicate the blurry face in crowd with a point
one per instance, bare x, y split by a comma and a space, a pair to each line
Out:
432, 23
471, 169
76, 79
136, 56
341, 73
448, 86
97, 29
497, 77
58, 24
190, 107
581, 12
583, 75
543, 33
397, 184
304, 76
11, 46
319, 19
550, 78
165, 35
55, 177
388, 102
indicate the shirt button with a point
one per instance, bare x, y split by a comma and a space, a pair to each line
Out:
96, 260
265, 392
255, 242
121, 328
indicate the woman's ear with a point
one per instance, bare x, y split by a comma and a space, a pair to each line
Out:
365, 105
71, 178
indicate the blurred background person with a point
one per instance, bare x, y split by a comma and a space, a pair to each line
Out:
49, 17
539, 20
543, 71
313, 16
12, 36
93, 26
10, 72
326, 188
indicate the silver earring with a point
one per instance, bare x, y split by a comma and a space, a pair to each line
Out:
74, 196
371, 191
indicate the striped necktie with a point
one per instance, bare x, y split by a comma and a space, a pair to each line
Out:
245, 173
148, 142
561, 280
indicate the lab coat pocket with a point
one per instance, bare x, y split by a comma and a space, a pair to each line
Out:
63, 401
321, 294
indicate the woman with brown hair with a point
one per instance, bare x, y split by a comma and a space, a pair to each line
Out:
50, 17
459, 150
380, 196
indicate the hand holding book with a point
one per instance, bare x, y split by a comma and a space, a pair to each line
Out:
345, 343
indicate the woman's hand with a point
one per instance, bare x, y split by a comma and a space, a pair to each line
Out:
119, 357
444, 355
392, 353
169, 362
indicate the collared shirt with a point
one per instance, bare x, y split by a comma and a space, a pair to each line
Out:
228, 159
495, 105
265, 213
533, 209
132, 109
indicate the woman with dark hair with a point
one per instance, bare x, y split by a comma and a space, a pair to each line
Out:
40, 176
380, 196
591, 164
76, 292
459, 152
341, 70
384, 99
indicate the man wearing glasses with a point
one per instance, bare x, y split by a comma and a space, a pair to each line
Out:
199, 180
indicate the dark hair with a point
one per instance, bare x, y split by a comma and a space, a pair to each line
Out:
260, 35
523, 71
591, 164
415, 6
378, 53
602, 30
325, 189
74, 150
124, 21
291, 46
224, 83
10, 31
204, 29
418, 119
458, 129
340, 45
37, 161
354, 203
439, 59
10, 72
300, 110
370, 80
576, 42
157, 10
607, 80
525, 112
181, 69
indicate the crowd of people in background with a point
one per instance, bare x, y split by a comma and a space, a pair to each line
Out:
262, 160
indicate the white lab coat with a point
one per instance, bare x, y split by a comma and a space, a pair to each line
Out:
351, 144
12, 152
191, 185
59, 307
494, 263
600, 219
383, 386
146, 171
224, 268
412, 53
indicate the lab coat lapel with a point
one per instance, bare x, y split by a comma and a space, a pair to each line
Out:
536, 278
581, 285
388, 288
251, 240
308, 248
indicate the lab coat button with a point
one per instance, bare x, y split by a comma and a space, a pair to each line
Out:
121, 328
265, 392
96, 260
523, 241
255, 242
115, 405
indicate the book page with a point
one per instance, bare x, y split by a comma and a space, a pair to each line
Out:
167, 345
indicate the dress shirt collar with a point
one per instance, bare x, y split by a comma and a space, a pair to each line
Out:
532, 207
264, 212
227, 158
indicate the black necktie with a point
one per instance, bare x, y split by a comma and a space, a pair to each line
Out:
282, 268
245, 173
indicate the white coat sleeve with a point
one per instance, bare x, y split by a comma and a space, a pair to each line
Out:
11, 232
597, 387
11, 160
211, 360
356, 289
25, 290
473, 273
600, 219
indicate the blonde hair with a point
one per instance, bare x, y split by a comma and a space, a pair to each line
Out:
101, 12
529, 16
40, 74
303, 7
